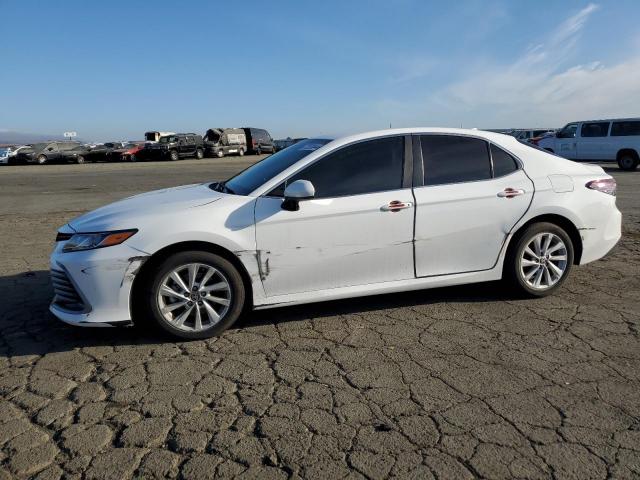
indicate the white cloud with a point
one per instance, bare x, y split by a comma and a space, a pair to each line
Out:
541, 89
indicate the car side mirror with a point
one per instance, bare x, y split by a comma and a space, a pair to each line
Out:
297, 191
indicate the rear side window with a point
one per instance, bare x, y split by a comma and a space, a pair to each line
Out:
503, 163
594, 129
625, 129
453, 159
365, 167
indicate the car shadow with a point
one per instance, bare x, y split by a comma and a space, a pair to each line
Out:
28, 328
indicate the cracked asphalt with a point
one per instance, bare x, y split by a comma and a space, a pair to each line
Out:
457, 383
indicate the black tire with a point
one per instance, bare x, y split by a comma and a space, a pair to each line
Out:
627, 162
220, 153
199, 154
42, 159
173, 155
80, 159
154, 277
513, 271
258, 151
241, 152
133, 158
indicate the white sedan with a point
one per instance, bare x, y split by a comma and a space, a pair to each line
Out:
325, 219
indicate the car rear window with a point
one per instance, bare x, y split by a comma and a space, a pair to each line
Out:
625, 129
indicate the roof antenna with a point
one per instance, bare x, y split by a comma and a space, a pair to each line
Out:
389, 124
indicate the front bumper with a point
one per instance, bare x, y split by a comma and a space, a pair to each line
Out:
100, 280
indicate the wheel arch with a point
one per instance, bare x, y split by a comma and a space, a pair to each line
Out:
165, 252
627, 151
559, 220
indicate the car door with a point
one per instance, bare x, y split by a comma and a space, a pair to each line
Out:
592, 141
469, 194
357, 230
566, 142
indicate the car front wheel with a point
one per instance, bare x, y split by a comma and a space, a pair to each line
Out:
173, 155
42, 159
195, 294
540, 261
199, 154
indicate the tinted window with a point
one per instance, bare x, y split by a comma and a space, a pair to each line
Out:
624, 129
452, 159
259, 173
503, 163
365, 167
568, 131
594, 129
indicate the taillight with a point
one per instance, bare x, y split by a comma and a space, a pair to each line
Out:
604, 185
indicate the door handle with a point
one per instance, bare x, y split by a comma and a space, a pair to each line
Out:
510, 192
396, 206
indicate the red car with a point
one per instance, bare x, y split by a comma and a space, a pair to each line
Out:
128, 153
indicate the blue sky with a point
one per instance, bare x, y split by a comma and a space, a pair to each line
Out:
112, 70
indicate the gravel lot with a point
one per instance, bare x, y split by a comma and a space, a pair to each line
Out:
450, 383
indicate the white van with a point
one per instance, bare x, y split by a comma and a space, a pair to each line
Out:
598, 140
153, 137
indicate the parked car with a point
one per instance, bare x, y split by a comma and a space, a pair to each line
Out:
219, 142
527, 133
128, 153
47, 152
379, 212
174, 147
154, 136
101, 151
598, 140
5, 154
287, 142
259, 141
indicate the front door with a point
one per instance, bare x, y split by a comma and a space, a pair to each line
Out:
357, 230
566, 142
472, 195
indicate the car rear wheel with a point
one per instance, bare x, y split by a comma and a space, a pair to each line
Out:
258, 151
627, 162
173, 155
540, 260
195, 294
42, 159
80, 159
199, 154
241, 152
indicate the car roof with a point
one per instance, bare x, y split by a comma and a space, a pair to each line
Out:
491, 136
632, 119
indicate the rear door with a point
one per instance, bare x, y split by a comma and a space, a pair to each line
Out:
469, 195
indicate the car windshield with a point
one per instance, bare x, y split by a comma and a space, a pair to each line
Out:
259, 173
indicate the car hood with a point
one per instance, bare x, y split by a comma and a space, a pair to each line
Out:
139, 210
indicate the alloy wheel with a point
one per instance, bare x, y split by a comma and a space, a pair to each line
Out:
194, 297
543, 261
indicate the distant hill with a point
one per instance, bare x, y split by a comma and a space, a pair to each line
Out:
11, 137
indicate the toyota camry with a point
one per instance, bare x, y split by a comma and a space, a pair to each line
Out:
324, 219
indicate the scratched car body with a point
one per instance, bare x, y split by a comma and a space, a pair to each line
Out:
379, 212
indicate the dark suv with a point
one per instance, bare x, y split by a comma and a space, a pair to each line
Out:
174, 147
52, 152
259, 141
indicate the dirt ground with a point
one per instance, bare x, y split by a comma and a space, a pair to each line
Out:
457, 383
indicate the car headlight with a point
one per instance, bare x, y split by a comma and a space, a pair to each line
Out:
89, 241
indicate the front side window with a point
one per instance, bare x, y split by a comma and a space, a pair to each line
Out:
454, 159
594, 129
365, 167
625, 129
569, 131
